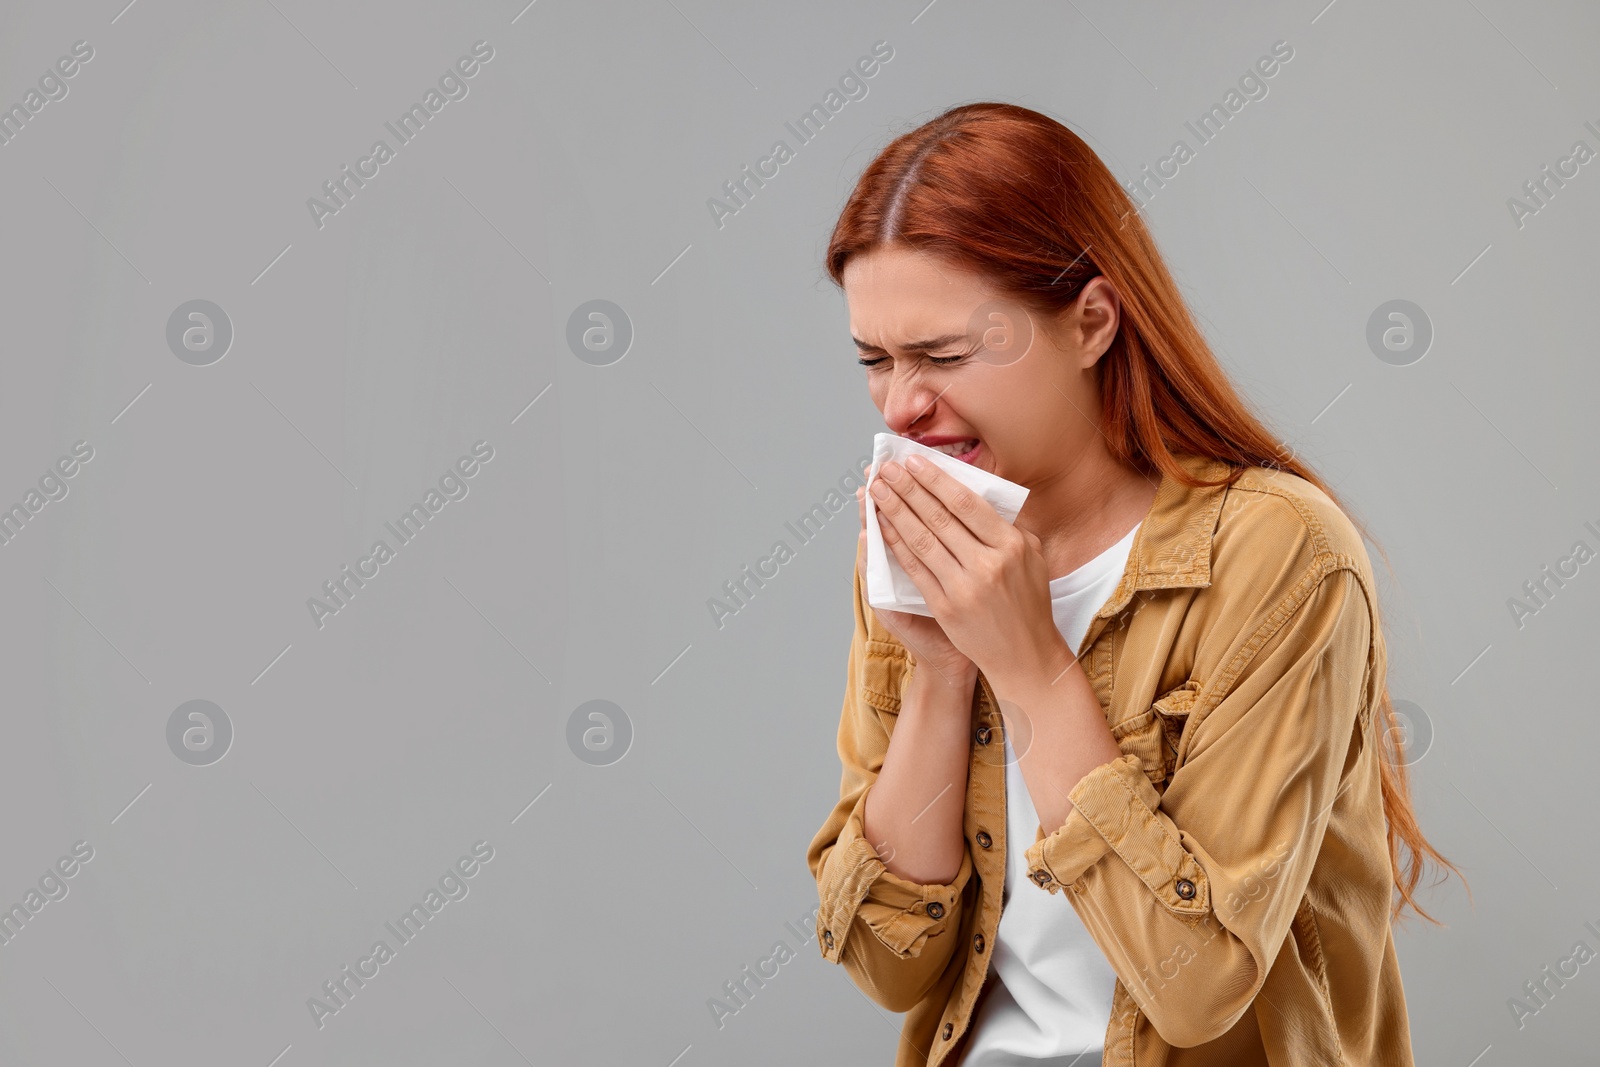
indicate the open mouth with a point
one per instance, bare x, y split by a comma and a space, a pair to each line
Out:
966, 451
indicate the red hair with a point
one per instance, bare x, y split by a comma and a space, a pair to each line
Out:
1013, 195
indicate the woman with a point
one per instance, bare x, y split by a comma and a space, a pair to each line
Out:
1124, 796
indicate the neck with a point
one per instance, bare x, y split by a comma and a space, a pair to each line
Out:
1085, 508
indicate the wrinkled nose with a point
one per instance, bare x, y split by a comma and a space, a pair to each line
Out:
911, 401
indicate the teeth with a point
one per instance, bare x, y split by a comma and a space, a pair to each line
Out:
958, 448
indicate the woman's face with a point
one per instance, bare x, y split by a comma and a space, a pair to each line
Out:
1024, 389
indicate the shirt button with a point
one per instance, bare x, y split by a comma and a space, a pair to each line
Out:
1040, 877
827, 938
977, 943
949, 1028
935, 910
984, 840
982, 735
1185, 888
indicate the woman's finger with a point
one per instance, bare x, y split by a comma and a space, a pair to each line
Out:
923, 576
937, 491
960, 542
861, 537
921, 543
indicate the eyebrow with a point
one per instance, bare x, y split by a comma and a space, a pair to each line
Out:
930, 345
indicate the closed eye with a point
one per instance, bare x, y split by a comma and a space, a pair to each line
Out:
942, 361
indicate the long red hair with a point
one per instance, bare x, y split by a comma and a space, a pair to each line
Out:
1013, 195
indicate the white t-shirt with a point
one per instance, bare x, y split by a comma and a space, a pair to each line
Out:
1052, 997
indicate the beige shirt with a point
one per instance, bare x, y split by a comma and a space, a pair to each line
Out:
1232, 864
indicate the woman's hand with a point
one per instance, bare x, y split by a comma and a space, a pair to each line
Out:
919, 633
985, 580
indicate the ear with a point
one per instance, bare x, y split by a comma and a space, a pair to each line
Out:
1091, 321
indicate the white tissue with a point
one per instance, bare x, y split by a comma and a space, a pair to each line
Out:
889, 587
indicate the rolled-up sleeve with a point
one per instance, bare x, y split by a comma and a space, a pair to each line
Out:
893, 936
1190, 893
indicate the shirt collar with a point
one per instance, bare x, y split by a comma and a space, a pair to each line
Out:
1173, 545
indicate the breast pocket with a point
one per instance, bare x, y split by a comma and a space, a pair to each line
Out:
1156, 734
1172, 712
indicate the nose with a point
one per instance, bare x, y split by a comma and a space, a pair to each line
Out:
910, 400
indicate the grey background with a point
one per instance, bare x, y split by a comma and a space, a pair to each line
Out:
432, 711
